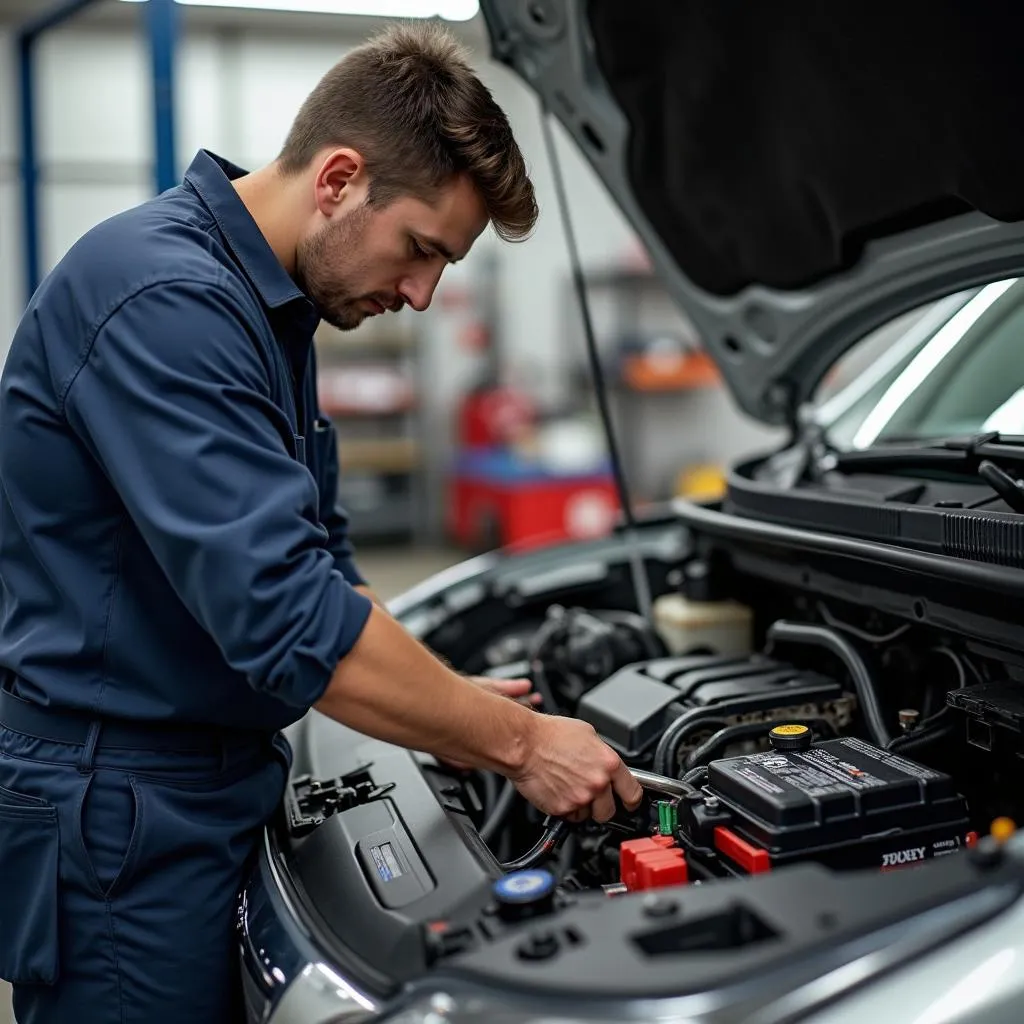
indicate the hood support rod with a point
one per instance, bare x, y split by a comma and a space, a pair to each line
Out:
641, 584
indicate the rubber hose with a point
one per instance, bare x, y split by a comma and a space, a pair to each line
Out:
550, 838
830, 640
548, 630
567, 858
490, 786
665, 762
921, 738
936, 727
734, 732
500, 813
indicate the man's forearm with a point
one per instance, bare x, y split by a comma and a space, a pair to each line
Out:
391, 687
365, 590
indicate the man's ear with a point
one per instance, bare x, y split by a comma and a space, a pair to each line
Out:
341, 180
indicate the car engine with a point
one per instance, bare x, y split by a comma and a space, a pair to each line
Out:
755, 759
809, 745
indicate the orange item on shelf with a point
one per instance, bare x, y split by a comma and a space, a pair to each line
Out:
662, 372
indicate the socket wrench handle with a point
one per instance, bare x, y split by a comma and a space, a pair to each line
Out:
654, 783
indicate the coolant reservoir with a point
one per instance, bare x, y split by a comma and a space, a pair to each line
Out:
689, 627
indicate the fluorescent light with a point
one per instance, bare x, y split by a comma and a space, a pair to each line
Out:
450, 10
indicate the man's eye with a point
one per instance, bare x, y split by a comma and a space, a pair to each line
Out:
418, 251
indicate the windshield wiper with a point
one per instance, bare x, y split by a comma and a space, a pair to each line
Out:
1010, 490
958, 454
979, 455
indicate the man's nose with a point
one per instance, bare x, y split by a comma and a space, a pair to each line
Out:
418, 289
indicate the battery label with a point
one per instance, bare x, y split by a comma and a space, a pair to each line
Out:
909, 856
842, 771
815, 772
917, 771
760, 781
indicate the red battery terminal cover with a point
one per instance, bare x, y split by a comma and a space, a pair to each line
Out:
652, 863
752, 859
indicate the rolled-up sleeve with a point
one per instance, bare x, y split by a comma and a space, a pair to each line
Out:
174, 402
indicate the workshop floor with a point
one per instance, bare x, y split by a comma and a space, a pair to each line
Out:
392, 570
389, 571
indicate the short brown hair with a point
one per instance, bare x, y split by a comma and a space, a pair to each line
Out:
410, 103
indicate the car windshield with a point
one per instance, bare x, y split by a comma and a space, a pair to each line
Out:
955, 367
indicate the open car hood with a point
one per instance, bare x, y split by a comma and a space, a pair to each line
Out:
800, 173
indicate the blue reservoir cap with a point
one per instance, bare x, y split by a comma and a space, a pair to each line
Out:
524, 887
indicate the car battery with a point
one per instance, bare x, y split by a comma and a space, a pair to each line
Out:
842, 803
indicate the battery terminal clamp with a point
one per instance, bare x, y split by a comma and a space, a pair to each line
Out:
310, 802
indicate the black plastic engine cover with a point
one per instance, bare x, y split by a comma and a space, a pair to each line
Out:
632, 708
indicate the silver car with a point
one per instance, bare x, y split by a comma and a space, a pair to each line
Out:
818, 679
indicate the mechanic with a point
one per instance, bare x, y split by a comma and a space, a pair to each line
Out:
178, 584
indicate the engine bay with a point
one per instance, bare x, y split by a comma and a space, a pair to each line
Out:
772, 737
787, 752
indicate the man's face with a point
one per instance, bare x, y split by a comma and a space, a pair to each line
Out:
368, 260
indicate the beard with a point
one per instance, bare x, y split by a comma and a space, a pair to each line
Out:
328, 264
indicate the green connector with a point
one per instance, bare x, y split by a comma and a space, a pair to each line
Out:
668, 819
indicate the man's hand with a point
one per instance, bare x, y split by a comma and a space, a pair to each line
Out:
520, 690
571, 773
389, 687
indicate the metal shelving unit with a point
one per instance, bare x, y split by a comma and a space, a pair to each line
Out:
370, 387
647, 389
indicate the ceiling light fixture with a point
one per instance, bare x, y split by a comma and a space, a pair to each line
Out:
450, 10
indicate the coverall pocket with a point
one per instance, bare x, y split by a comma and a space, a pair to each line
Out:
29, 845
109, 826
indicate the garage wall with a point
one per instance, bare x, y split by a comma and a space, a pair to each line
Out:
11, 287
237, 93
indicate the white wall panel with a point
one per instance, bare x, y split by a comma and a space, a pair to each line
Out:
203, 87
94, 96
274, 77
8, 92
68, 211
12, 289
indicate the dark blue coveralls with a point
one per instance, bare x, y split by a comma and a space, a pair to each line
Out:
174, 589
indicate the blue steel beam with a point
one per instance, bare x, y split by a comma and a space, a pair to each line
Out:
29, 171
27, 36
163, 31
53, 17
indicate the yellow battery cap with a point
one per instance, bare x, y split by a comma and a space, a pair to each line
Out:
792, 736
1002, 829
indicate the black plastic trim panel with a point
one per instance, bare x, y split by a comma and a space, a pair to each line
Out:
716, 522
381, 923
972, 534
809, 922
